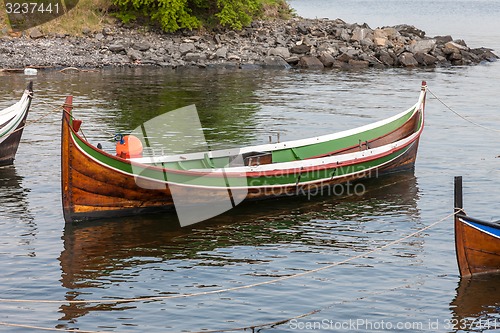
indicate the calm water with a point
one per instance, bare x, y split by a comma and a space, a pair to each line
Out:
412, 286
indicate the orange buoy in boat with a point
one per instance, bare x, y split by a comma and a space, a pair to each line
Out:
129, 147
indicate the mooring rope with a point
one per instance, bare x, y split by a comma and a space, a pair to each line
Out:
461, 116
251, 327
41, 328
31, 122
248, 286
271, 324
59, 109
302, 315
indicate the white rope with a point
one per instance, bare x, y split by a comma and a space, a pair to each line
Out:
463, 117
218, 291
40, 328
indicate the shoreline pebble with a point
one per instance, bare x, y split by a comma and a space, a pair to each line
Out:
298, 43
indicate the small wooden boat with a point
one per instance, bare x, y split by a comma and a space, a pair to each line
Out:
477, 242
12, 121
98, 184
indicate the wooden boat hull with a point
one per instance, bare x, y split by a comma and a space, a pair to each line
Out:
477, 246
477, 242
96, 184
11, 130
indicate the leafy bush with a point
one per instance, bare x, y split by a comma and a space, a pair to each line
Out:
173, 15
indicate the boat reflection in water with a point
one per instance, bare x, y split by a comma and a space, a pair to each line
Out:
14, 201
476, 306
97, 254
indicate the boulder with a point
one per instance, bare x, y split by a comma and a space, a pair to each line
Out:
310, 62
326, 59
344, 57
141, 46
358, 63
293, 60
275, 61
425, 59
423, 46
221, 53
279, 51
443, 39
134, 55
485, 54
359, 33
407, 59
452, 47
386, 58
35, 33
185, 48
116, 47
380, 41
300, 49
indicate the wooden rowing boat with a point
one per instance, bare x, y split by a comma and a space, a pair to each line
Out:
12, 121
98, 184
477, 242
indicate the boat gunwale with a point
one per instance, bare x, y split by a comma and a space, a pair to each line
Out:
19, 110
333, 161
293, 143
464, 218
311, 164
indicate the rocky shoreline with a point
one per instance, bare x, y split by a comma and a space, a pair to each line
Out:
303, 43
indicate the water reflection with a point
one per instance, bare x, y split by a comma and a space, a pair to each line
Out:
17, 218
101, 254
476, 306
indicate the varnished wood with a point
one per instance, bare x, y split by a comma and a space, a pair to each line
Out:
92, 190
477, 251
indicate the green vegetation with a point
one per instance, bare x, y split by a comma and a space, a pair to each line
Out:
169, 15
173, 15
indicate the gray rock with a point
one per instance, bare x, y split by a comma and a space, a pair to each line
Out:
358, 34
280, 51
344, 57
300, 49
221, 52
425, 59
443, 39
485, 54
409, 30
134, 55
184, 48
453, 47
407, 59
326, 59
36, 34
141, 46
358, 63
423, 46
310, 62
292, 60
116, 47
274, 61
273, 42
387, 58
303, 27
192, 56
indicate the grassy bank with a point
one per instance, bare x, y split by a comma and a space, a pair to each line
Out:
88, 14
93, 15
